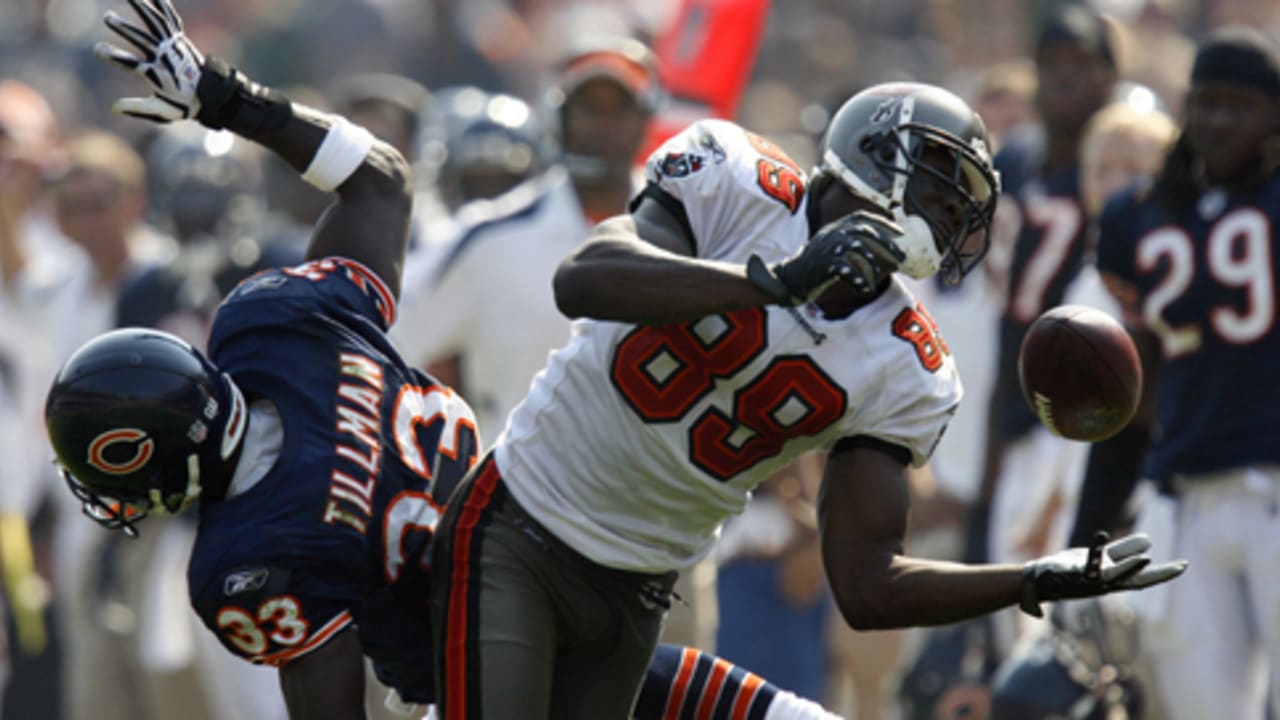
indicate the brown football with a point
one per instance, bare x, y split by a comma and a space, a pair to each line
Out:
1080, 373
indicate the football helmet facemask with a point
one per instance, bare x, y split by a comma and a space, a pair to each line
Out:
905, 147
137, 419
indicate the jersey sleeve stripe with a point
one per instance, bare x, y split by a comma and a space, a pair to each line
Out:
711, 694
387, 299
327, 631
751, 684
688, 660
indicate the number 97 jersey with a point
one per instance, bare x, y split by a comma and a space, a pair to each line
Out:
636, 442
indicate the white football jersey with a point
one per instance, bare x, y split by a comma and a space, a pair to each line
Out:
487, 295
636, 442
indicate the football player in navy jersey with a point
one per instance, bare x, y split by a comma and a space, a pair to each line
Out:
1193, 257
316, 451
320, 458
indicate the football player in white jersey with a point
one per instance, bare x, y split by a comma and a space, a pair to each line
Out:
740, 315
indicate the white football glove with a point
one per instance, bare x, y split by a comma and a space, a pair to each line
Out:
1102, 568
163, 56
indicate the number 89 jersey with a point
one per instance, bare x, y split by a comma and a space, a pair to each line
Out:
636, 442
358, 445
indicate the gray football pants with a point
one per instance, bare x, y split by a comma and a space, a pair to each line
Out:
525, 627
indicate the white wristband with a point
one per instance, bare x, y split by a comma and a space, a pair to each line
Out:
344, 148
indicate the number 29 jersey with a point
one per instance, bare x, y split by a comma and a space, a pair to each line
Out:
336, 532
1205, 282
635, 443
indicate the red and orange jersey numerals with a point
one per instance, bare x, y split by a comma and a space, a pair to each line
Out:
791, 397
779, 176
917, 326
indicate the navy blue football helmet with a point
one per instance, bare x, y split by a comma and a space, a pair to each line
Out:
138, 420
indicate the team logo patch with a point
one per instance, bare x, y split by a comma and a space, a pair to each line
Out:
121, 451
197, 432
708, 143
678, 165
245, 581
262, 281
886, 111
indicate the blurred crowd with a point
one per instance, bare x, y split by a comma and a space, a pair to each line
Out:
106, 222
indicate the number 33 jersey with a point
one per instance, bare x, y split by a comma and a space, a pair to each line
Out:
334, 531
636, 442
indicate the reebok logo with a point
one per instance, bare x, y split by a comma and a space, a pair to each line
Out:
245, 581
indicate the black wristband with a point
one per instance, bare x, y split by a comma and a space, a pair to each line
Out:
231, 101
1029, 600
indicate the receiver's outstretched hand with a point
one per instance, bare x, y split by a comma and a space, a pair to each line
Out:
1105, 566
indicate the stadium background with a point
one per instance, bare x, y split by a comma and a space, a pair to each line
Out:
793, 61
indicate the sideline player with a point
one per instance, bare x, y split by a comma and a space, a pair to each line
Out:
1193, 259
316, 453
738, 316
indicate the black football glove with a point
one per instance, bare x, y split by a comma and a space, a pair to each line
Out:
1102, 568
858, 248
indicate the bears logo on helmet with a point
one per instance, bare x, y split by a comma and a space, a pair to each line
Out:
143, 447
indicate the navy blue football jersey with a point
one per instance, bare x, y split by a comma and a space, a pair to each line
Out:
1204, 282
337, 533
1048, 251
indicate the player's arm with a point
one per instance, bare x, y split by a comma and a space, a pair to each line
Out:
862, 516
641, 268
326, 683
369, 220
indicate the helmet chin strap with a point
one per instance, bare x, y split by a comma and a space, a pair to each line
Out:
161, 504
232, 434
